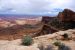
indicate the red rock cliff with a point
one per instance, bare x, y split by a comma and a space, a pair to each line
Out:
66, 15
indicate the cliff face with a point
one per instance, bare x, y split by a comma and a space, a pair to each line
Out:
46, 19
65, 20
66, 15
47, 29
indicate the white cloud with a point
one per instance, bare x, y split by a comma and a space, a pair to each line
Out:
34, 6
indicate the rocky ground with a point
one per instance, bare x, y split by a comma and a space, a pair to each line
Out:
15, 45
45, 40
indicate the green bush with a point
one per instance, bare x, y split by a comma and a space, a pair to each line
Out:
61, 46
57, 43
27, 40
65, 36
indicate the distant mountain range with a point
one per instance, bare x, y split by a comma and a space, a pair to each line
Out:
26, 15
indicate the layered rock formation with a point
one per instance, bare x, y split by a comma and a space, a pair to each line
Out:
46, 28
37, 28
47, 19
66, 15
65, 20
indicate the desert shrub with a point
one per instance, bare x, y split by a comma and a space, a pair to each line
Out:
27, 40
65, 36
63, 47
42, 47
57, 43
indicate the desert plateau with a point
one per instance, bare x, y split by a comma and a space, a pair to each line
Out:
40, 33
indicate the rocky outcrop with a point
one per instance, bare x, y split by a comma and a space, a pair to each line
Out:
59, 35
47, 19
66, 15
47, 29
50, 38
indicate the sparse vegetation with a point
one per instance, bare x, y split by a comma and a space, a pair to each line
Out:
65, 36
55, 23
57, 43
27, 40
62, 25
63, 47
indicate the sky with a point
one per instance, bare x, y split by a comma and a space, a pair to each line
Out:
35, 7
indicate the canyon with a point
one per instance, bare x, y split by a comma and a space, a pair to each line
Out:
15, 28
44, 31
